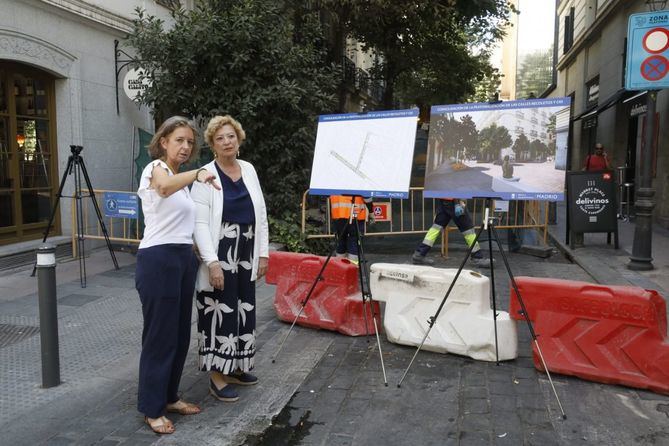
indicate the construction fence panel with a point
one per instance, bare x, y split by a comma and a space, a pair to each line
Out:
415, 214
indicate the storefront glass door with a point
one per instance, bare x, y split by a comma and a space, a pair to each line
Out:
27, 155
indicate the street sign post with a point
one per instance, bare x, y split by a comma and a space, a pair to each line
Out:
647, 65
121, 204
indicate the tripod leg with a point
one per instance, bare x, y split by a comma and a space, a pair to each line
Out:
318, 278
362, 275
367, 295
80, 225
494, 295
433, 319
97, 212
527, 320
55, 206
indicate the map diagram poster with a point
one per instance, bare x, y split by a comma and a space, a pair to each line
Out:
513, 150
366, 154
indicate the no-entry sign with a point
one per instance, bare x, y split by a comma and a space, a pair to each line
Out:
647, 51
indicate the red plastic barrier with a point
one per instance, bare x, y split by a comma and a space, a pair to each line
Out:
609, 334
336, 302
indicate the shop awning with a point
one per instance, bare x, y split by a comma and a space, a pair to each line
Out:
586, 114
638, 95
621, 95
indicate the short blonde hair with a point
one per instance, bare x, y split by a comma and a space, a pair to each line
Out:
215, 125
156, 151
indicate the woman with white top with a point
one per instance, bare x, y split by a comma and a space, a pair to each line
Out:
166, 268
231, 233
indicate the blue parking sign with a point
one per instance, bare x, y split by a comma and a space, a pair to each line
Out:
120, 204
647, 51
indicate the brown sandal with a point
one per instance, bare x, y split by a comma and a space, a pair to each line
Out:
183, 408
160, 425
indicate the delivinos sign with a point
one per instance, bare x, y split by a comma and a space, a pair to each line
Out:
134, 83
592, 200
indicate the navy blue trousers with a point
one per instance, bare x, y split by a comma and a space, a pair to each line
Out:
165, 280
348, 242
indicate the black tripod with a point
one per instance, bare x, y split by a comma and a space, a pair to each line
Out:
489, 225
364, 287
76, 166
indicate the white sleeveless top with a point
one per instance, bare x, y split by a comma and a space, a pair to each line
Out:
167, 220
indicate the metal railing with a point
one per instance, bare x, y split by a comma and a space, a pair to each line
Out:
415, 214
122, 230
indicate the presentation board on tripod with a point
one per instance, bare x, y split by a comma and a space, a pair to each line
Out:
366, 154
513, 150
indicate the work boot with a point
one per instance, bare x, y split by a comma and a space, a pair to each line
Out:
480, 261
419, 259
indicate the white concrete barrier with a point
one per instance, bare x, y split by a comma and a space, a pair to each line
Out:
465, 326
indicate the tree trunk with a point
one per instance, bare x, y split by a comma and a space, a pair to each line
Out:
389, 92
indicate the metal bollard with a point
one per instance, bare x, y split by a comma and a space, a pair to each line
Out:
48, 315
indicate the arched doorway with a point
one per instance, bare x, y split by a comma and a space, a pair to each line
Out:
28, 155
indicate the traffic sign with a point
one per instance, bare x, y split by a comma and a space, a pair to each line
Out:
120, 204
647, 64
381, 211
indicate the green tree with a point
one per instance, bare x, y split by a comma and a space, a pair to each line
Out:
492, 140
432, 51
520, 146
253, 59
454, 138
535, 73
538, 150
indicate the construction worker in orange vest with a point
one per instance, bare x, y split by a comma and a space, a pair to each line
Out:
450, 209
340, 209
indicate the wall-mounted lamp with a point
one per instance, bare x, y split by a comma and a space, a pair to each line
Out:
656, 5
20, 139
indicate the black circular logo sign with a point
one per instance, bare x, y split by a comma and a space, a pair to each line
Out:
592, 200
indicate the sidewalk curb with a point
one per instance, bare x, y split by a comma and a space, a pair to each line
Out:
574, 258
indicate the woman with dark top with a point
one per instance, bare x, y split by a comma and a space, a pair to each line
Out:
231, 233
166, 267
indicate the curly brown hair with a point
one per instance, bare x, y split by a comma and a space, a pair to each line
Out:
155, 148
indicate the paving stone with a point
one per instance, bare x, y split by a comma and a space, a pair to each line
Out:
525, 373
319, 381
474, 438
541, 438
474, 379
506, 388
108, 442
475, 423
77, 300
526, 386
475, 406
59, 441
499, 373
531, 401
339, 440
343, 380
507, 438
533, 417
475, 392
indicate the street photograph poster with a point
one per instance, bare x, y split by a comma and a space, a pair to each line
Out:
513, 150
367, 154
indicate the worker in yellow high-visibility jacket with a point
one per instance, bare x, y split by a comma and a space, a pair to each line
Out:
340, 210
450, 209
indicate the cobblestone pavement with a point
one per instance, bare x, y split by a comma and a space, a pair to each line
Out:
454, 400
324, 389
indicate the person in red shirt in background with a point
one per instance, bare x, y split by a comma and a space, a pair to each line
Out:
598, 160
